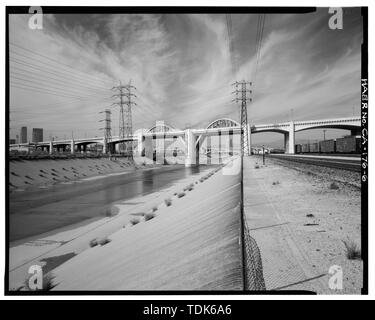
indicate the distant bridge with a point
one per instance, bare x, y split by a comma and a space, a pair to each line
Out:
192, 139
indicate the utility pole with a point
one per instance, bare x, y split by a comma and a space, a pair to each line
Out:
241, 89
125, 120
107, 131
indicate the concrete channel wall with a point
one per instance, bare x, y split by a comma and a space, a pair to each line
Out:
193, 244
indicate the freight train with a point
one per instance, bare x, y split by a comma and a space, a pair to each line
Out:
350, 144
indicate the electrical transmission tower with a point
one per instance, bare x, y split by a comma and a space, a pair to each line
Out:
125, 120
245, 96
107, 131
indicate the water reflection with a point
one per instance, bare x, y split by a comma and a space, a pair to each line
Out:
63, 205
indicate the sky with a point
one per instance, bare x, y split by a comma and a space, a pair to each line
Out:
182, 67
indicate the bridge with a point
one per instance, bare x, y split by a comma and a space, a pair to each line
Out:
193, 139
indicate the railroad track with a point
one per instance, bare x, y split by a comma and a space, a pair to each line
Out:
344, 164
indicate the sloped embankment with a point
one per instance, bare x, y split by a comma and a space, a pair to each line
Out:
190, 244
31, 174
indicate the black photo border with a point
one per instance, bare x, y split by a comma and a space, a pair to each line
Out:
186, 10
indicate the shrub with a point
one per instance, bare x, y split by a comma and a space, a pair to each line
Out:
93, 243
168, 202
275, 183
149, 216
181, 194
154, 208
104, 241
353, 252
256, 166
134, 221
310, 215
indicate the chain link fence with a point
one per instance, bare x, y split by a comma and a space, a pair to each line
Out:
252, 259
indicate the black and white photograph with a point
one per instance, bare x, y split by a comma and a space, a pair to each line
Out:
186, 150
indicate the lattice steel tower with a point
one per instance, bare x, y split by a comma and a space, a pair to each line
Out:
107, 131
241, 89
125, 120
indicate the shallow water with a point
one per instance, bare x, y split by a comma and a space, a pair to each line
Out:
36, 212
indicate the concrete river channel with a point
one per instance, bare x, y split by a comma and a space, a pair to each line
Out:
35, 212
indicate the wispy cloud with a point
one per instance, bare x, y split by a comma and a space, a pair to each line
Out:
181, 67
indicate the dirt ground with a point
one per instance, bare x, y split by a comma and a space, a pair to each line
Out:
319, 216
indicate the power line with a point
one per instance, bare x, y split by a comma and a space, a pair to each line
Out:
53, 71
59, 62
70, 101
39, 89
259, 40
52, 86
39, 77
230, 44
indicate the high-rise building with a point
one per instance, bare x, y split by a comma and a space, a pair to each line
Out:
12, 141
23, 135
37, 135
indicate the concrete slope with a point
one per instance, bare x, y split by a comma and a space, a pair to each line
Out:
54, 245
191, 245
40, 174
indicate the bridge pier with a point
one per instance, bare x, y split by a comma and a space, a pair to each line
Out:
141, 152
231, 142
160, 149
289, 138
220, 160
72, 146
105, 146
190, 148
50, 147
208, 149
